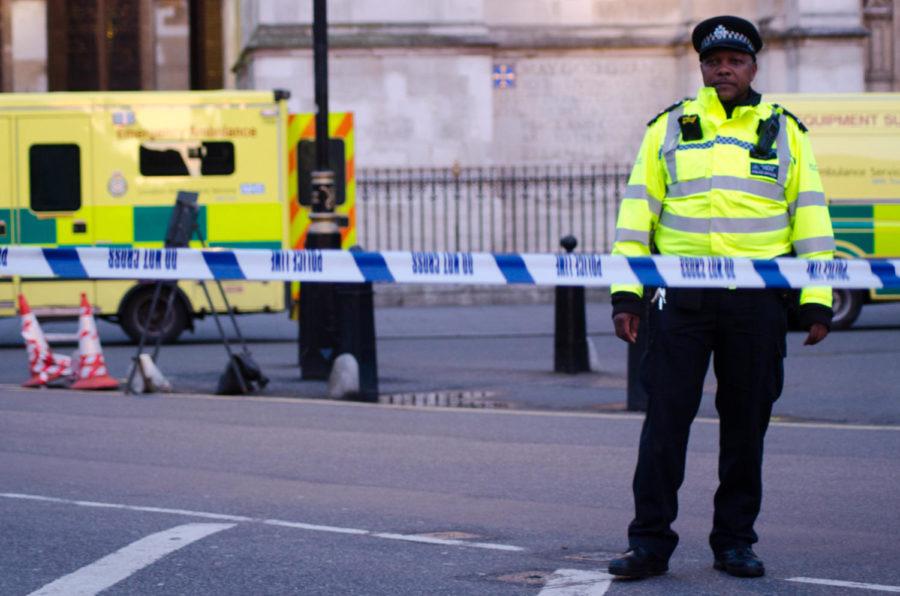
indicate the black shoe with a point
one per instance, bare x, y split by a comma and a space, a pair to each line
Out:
740, 562
638, 563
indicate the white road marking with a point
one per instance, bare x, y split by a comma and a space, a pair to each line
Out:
564, 582
447, 541
113, 568
270, 522
315, 527
576, 582
204, 514
842, 584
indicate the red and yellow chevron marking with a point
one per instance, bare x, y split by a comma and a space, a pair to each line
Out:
303, 126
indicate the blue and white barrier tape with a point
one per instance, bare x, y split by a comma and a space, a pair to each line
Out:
443, 267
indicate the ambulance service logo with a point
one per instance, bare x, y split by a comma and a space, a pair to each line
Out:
117, 185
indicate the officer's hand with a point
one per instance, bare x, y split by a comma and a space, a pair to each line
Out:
817, 333
626, 325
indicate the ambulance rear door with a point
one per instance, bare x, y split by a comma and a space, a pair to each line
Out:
53, 190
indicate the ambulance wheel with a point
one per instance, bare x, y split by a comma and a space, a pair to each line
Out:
846, 306
135, 308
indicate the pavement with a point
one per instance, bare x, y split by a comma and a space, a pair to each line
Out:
503, 356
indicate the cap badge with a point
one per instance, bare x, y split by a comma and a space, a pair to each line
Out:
720, 33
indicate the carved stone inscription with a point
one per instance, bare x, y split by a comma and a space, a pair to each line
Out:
581, 108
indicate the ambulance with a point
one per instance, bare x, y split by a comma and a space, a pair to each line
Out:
103, 169
856, 140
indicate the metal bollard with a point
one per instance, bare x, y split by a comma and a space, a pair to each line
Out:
317, 332
356, 333
637, 393
570, 353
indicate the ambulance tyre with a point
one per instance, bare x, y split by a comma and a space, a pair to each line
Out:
846, 306
135, 307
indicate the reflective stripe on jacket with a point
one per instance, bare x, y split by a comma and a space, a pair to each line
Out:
709, 197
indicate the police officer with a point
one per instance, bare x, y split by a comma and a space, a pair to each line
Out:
723, 174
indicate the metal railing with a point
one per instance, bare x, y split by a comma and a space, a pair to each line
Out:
489, 209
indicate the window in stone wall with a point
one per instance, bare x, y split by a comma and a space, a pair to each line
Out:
206, 44
94, 44
881, 69
120, 45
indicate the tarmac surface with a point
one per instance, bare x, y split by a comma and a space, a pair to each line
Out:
291, 493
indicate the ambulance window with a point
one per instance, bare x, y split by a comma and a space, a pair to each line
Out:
218, 158
180, 158
162, 162
55, 173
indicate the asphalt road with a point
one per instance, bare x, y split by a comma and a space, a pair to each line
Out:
277, 495
294, 496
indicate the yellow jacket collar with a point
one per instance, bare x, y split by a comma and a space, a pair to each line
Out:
712, 106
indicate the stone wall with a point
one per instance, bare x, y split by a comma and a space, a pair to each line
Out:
171, 68
584, 106
431, 108
531, 81
29, 52
578, 78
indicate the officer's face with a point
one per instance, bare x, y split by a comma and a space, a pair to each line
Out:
730, 72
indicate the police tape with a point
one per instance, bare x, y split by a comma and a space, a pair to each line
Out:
443, 267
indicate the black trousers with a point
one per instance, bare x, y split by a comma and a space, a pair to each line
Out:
745, 331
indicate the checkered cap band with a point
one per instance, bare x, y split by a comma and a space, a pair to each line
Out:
721, 33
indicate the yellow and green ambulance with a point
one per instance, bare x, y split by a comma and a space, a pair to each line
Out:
103, 169
856, 139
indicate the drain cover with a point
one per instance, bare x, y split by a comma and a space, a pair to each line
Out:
444, 399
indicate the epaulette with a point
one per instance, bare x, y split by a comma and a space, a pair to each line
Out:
787, 113
668, 109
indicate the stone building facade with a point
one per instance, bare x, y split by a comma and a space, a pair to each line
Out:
476, 82
537, 81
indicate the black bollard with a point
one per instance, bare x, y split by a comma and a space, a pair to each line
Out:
570, 350
637, 393
356, 333
317, 333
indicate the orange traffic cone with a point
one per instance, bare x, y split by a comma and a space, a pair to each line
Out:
92, 372
45, 366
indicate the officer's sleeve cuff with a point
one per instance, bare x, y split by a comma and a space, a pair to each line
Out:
811, 313
626, 302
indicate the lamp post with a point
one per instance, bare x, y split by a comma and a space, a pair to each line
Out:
318, 325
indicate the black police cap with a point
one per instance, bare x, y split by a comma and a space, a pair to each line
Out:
726, 32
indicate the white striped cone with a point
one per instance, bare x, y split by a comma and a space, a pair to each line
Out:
43, 365
92, 372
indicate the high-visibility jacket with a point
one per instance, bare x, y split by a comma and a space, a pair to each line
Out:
709, 197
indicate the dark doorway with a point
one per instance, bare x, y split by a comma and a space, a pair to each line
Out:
110, 45
94, 45
206, 44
